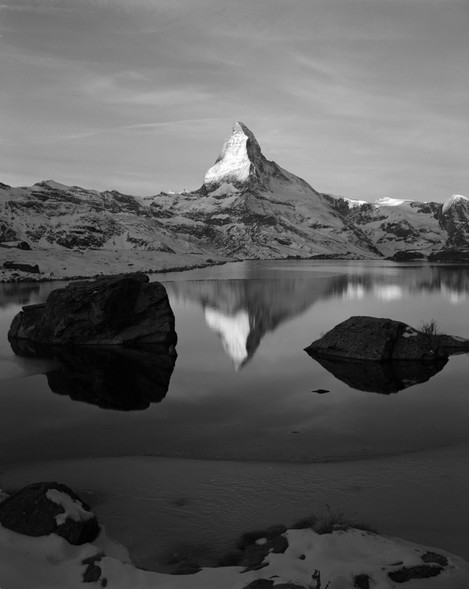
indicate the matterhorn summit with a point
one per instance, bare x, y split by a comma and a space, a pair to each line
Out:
242, 166
240, 162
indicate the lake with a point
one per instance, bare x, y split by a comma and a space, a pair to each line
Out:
237, 435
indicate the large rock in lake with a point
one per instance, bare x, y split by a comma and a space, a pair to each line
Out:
379, 339
40, 509
125, 309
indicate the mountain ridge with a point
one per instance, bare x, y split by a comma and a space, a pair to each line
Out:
247, 207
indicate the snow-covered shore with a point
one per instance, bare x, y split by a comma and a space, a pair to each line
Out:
341, 559
62, 264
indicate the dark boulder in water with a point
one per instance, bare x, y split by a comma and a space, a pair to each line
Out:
40, 509
125, 309
378, 339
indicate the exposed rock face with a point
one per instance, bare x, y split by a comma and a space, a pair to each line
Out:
450, 255
108, 311
395, 225
34, 269
49, 508
21, 245
407, 256
111, 377
248, 207
381, 377
377, 339
454, 217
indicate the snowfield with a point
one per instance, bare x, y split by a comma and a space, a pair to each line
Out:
49, 562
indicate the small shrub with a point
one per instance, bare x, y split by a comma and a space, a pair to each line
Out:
429, 327
334, 521
305, 523
331, 521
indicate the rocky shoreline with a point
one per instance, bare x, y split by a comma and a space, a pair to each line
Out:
49, 536
60, 265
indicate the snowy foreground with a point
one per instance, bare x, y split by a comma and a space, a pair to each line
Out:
65, 264
49, 562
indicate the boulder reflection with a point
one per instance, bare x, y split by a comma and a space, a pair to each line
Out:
381, 377
242, 311
111, 377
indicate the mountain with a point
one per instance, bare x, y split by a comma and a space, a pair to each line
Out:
247, 207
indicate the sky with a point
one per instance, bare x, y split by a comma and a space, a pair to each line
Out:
363, 98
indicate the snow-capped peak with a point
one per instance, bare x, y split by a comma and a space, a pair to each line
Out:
240, 161
353, 203
452, 200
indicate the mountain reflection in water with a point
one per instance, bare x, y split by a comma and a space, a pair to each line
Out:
243, 311
111, 377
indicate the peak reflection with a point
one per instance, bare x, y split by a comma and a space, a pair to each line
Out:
242, 311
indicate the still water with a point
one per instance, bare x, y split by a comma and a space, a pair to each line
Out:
236, 436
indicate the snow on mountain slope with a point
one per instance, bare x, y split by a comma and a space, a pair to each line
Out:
248, 207
454, 217
453, 200
52, 215
395, 225
251, 207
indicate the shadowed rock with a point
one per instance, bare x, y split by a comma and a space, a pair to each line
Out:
40, 509
33, 269
381, 377
378, 339
124, 309
111, 377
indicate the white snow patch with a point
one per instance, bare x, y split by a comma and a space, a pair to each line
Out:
409, 332
390, 202
352, 203
72, 509
49, 562
451, 201
234, 331
234, 163
261, 541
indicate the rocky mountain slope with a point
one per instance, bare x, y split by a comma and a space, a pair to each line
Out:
247, 207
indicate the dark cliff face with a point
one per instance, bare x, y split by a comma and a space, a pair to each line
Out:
455, 221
